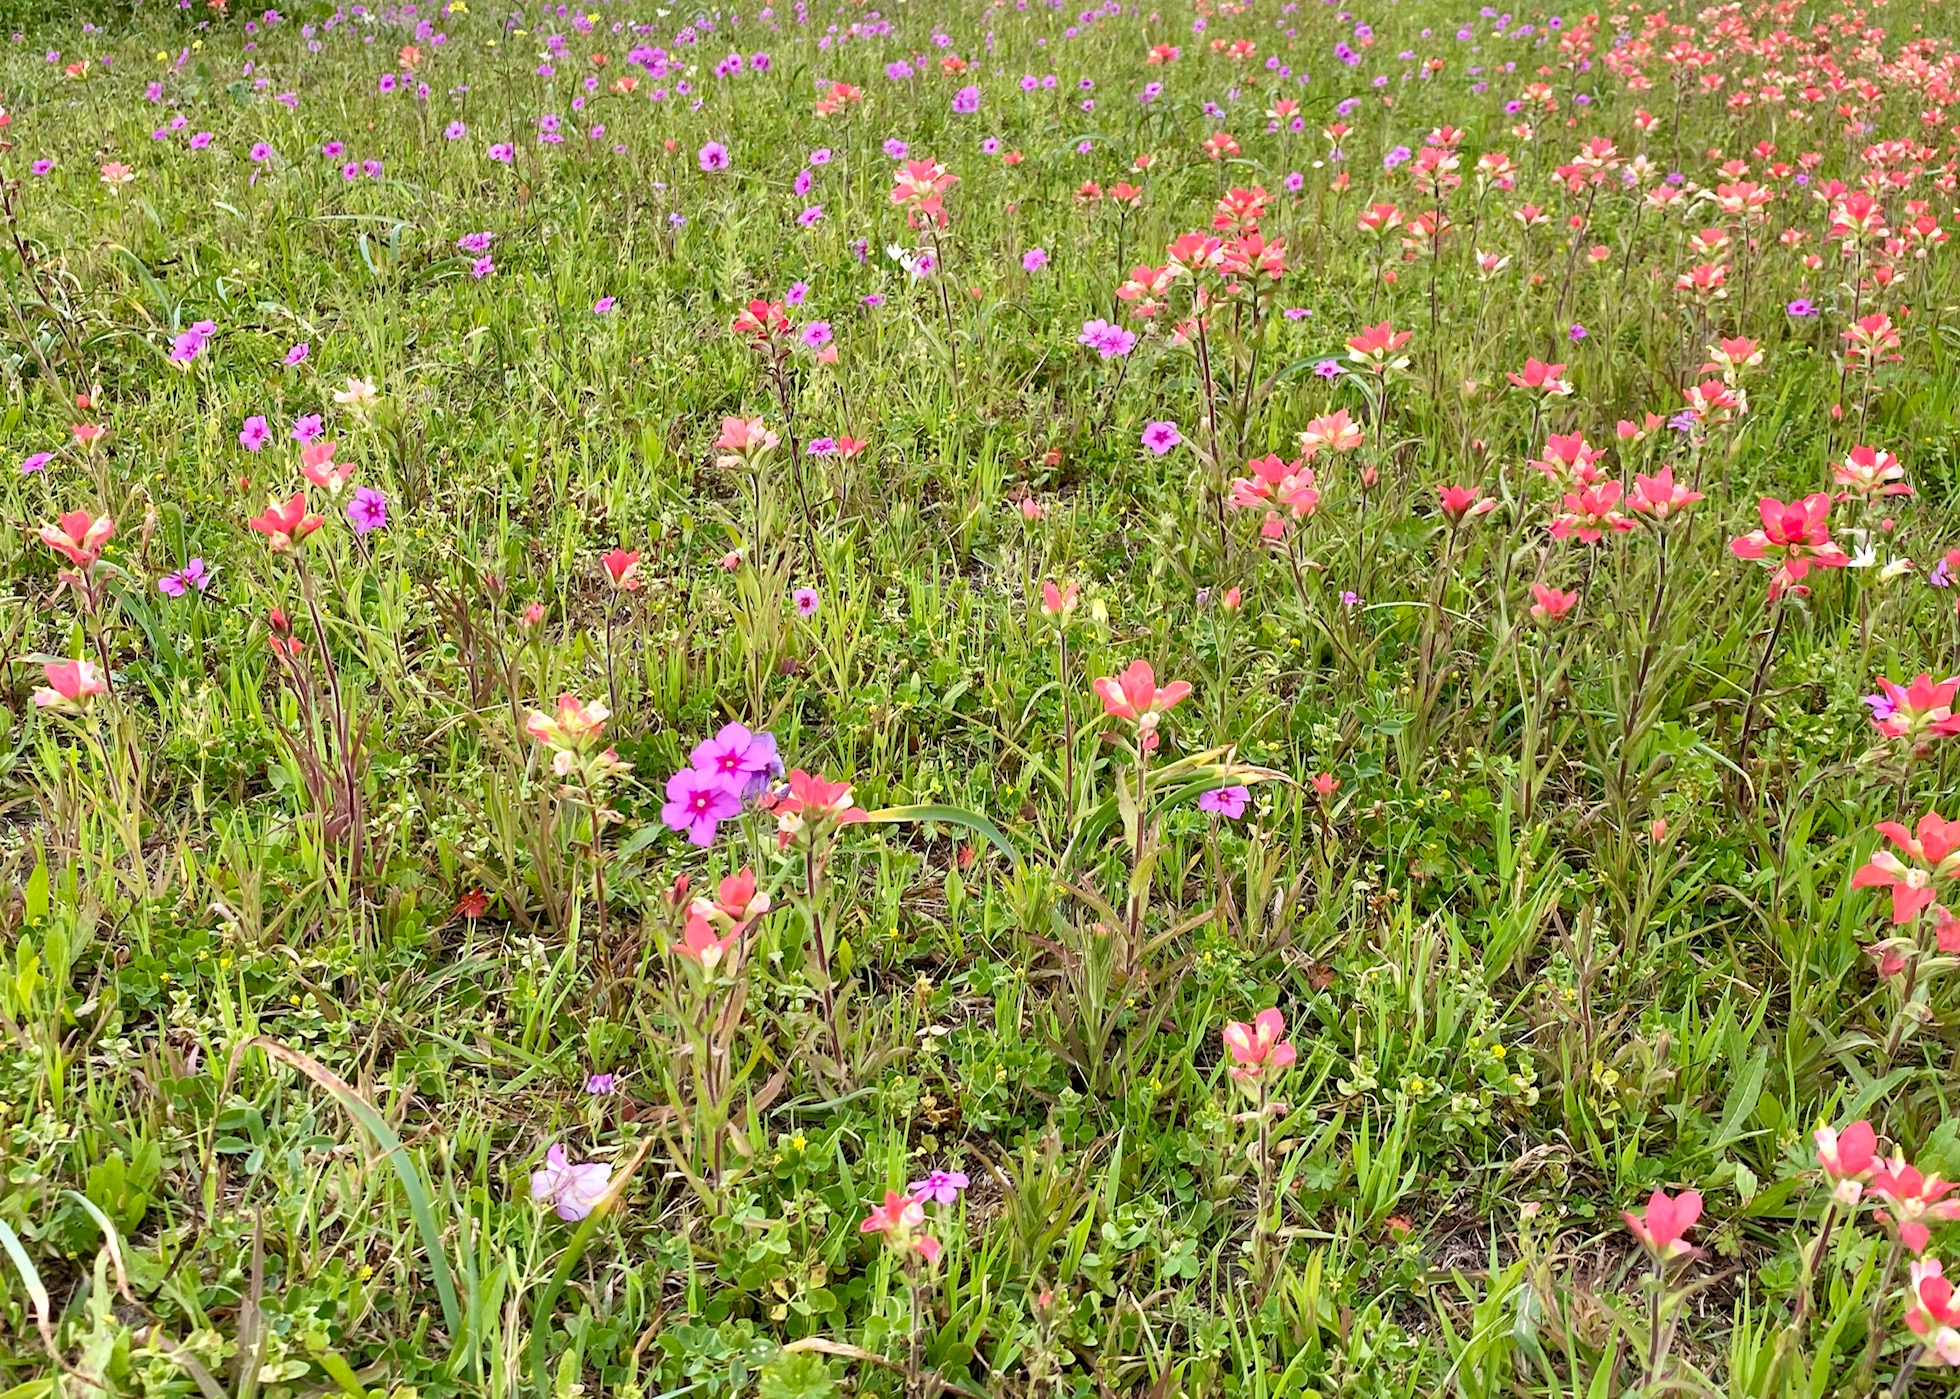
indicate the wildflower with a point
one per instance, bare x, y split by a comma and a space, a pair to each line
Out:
298, 353
736, 904
601, 1085
368, 510
359, 397
941, 1187
307, 427
1846, 1158
900, 1219
79, 536
1870, 472
1540, 377
1933, 845
473, 904
71, 685
195, 574
317, 465
1461, 502
1135, 696
1228, 802
1590, 512
698, 940
1918, 710
35, 461
741, 759
1330, 432
1375, 349
810, 805
1325, 784
622, 567
1795, 536
255, 434
115, 174
1662, 1232
1034, 259
1549, 604
1160, 437
1259, 1047
806, 601
1659, 496
573, 1191
1931, 1311
1059, 602
743, 442
603, 306
1913, 1199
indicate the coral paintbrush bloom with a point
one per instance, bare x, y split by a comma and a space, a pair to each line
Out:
1933, 845
1059, 602
1259, 1047
1135, 696
1846, 1158
1930, 1304
811, 804
572, 724
1463, 502
742, 441
1376, 348
1569, 461
1334, 432
286, 526
1920, 709
699, 944
1273, 481
71, 685
622, 568
1660, 495
736, 904
573, 1191
79, 536
762, 321
317, 465
1912, 1199
87, 435
1549, 604
1871, 471
901, 1219
1591, 512
1795, 537
1663, 1230
1540, 377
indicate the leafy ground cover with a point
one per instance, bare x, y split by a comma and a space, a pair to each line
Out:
984, 699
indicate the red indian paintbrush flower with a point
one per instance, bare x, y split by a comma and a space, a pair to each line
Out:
1463, 502
1913, 1199
1846, 1158
1260, 1047
1795, 537
1663, 1230
1134, 695
1935, 850
901, 1219
286, 526
1919, 710
71, 685
79, 536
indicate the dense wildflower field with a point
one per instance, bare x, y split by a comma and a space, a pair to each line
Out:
1203, 699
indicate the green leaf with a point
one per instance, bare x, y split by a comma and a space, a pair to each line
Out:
952, 816
406, 1171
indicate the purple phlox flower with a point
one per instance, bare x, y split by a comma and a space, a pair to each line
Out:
195, 574
482, 268
255, 434
797, 294
474, 242
298, 353
307, 427
1881, 706
1228, 802
503, 151
573, 1191
942, 1187
697, 802
601, 1085
816, 334
714, 156
895, 148
741, 759
368, 510
1109, 341
1328, 369
806, 601
1801, 307
821, 447
1034, 259
35, 461
603, 306
1160, 437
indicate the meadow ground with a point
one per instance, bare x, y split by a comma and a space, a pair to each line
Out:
978, 699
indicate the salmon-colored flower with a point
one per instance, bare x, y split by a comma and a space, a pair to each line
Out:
622, 568
1663, 1230
1550, 604
1846, 1158
1660, 496
79, 536
1796, 537
1913, 1199
1934, 847
1871, 471
71, 685
1463, 502
1919, 710
1334, 432
286, 526
810, 805
901, 1219
1540, 377
1259, 1047
1134, 695
1376, 348
1590, 513
317, 465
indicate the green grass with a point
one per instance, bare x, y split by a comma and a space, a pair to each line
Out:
311, 951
